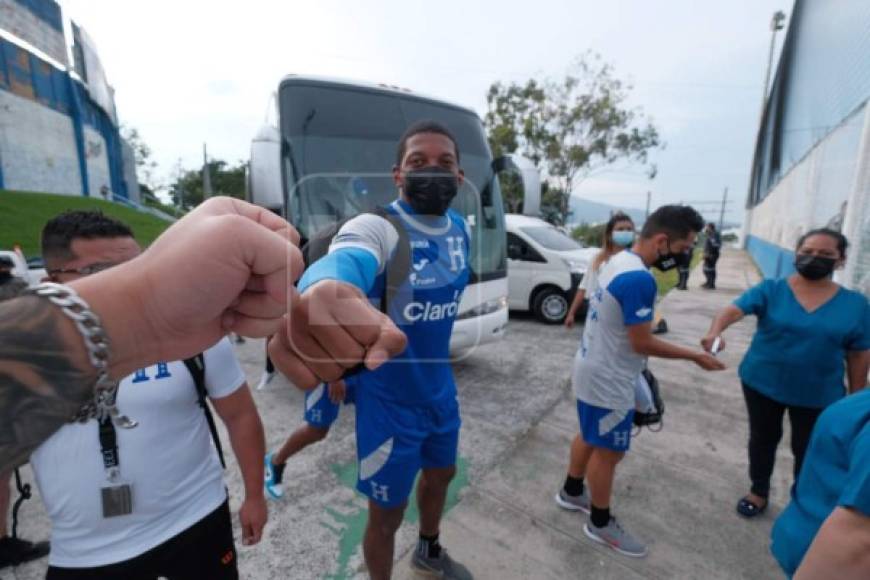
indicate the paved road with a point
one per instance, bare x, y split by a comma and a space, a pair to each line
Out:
504, 390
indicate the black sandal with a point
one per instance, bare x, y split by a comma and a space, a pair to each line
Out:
748, 509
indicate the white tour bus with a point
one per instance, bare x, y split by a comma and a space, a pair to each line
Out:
328, 156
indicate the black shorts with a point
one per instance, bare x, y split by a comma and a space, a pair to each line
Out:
203, 551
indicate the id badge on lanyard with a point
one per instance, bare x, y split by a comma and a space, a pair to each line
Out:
116, 495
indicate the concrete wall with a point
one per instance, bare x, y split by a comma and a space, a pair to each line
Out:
23, 23
829, 185
37, 147
98, 163
856, 222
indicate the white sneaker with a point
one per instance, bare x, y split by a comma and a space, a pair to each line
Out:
573, 503
615, 537
265, 380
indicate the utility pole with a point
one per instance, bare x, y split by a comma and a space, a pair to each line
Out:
648, 198
722, 212
206, 175
777, 23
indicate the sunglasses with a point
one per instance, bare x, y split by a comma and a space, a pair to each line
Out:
84, 270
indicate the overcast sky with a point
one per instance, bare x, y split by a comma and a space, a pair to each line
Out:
190, 72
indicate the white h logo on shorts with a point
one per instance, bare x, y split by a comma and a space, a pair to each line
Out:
316, 415
380, 492
620, 438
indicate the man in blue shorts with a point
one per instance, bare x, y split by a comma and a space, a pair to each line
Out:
616, 341
321, 410
407, 413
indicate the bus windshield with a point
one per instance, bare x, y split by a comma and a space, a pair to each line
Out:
339, 149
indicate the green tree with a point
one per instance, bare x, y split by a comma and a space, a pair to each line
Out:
553, 200
570, 128
186, 190
589, 234
145, 164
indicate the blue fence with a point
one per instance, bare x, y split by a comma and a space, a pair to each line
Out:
773, 261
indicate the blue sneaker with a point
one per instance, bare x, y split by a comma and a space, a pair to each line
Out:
273, 475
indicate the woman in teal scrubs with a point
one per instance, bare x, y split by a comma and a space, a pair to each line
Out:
810, 332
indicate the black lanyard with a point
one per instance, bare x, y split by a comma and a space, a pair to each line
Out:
109, 446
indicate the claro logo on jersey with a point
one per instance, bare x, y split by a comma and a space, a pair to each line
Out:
429, 311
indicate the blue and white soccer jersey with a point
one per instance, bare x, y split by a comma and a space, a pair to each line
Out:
407, 411
606, 367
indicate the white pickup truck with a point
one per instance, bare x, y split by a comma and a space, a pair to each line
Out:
21, 269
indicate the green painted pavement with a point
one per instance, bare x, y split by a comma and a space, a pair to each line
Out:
352, 520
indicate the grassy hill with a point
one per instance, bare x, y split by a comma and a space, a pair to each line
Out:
22, 215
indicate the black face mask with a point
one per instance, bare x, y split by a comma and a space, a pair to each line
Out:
666, 261
430, 189
814, 267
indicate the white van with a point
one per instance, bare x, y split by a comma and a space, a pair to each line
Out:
545, 266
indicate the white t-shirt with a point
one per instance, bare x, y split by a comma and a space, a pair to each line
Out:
606, 367
590, 280
169, 459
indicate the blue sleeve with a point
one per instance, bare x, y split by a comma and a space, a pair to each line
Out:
859, 338
352, 265
636, 293
754, 300
856, 494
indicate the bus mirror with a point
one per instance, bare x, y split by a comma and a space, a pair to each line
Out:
503, 163
531, 185
530, 176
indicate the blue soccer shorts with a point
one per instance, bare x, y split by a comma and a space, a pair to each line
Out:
607, 428
394, 441
320, 411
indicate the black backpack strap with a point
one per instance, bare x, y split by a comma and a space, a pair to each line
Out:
399, 264
24, 493
196, 366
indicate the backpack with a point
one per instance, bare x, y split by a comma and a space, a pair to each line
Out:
196, 366
650, 408
397, 268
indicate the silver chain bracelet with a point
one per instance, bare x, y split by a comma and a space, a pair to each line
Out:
97, 342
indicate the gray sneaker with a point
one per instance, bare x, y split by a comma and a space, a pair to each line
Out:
441, 567
615, 537
573, 503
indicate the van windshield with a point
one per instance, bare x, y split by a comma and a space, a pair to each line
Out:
551, 238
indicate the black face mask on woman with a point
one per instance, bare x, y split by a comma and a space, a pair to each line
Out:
430, 189
814, 267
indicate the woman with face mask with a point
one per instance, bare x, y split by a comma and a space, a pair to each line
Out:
808, 325
618, 235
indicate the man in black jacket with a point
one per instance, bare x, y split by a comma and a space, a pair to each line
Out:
13, 550
711, 255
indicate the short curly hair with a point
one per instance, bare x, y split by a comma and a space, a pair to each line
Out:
426, 126
60, 231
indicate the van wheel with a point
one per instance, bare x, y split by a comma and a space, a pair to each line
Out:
550, 306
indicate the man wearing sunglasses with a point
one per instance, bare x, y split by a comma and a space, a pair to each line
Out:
149, 501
